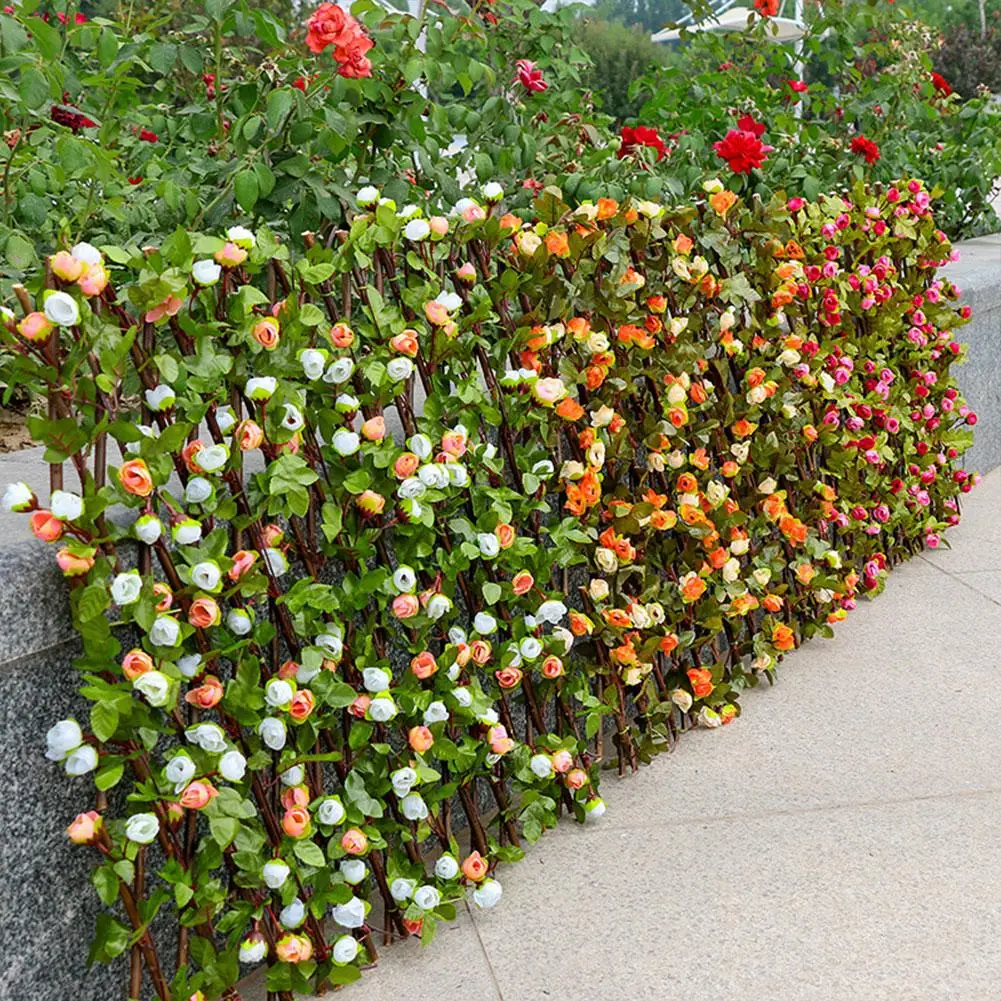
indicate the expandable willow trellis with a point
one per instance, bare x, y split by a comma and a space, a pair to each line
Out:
436, 522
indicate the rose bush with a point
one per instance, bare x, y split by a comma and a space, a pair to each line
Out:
459, 509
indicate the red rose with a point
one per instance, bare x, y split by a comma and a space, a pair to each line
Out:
767, 8
530, 76
74, 120
940, 83
746, 123
865, 147
325, 27
300, 83
743, 151
797, 86
641, 135
350, 52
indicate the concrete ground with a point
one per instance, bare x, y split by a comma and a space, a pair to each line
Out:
840, 841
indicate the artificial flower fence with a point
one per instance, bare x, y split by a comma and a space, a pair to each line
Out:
330, 670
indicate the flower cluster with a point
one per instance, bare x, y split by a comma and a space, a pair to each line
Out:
332, 27
424, 517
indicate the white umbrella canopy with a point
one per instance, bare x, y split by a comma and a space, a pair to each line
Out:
735, 19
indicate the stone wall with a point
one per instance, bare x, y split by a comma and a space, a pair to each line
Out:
47, 907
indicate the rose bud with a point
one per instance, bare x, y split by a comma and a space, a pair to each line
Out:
374, 429
424, 665
474, 867
206, 695
577, 778
302, 704
420, 739
94, 280
562, 762
552, 667
266, 333
204, 612
135, 663
243, 561
18, 497
248, 435
198, 795
360, 706
296, 822
341, 335
35, 327
253, 949
65, 266
294, 797
406, 606
45, 526
74, 564
370, 503
85, 828
135, 478
294, 949
405, 465
230, 256
354, 842
500, 742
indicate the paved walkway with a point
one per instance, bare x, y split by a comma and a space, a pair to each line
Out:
840, 842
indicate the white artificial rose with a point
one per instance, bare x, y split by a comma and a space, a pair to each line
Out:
427, 898
731, 570
294, 776
206, 576
376, 679
87, 253
272, 732
239, 622
148, 529
489, 717
212, 458
17, 497
382, 708
62, 737
492, 191
541, 765
142, 828
81, 761
740, 546
488, 543
278, 693
61, 309
606, 559
293, 914
353, 870
458, 475
402, 889
275, 873
179, 771
275, 562
639, 616
293, 419
564, 636
368, 196
598, 589
125, 588
345, 442
206, 272
446, 867
682, 699
253, 950
435, 713
463, 696
438, 605
313, 363
405, 580
165, 631
414, 807
417, 229
190, 665
551, 611
208, 736
767, 486
161, 397
484, 623
339, 371
351, 914
399, 369
186, 532
420, 445
411, 487
65, 505
530, 648
198, 490
403, 780
241, 236
332, 642
155, 686
433, 475
762, 575
331, 811
487, 894
450, 300
233, 766
595, 808
345, 950
260, 387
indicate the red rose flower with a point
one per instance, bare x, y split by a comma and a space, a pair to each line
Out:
641, 135
300, 83
797, 86
145, 134
767, 8
530, 76
940, 83
746, 123
325, 27
74, 120
743, 151
865, 147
